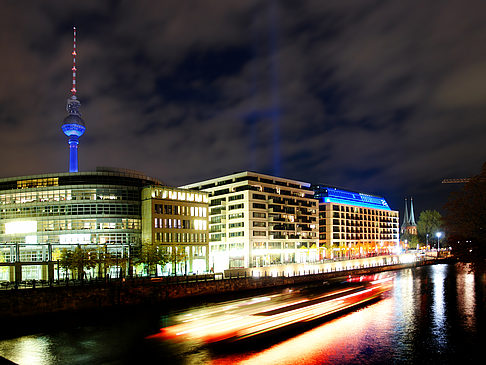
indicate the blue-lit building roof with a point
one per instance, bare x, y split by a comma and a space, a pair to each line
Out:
327, 194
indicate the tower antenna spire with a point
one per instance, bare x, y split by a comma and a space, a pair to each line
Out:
73, 125
73, 90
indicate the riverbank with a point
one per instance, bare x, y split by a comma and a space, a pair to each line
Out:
25, 304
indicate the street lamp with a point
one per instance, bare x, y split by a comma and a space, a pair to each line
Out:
427, 244
438, 234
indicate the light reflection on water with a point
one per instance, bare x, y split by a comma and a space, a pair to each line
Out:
438, 305
27, 350
466, 298
432, 315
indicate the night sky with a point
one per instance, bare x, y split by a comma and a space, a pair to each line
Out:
384, 97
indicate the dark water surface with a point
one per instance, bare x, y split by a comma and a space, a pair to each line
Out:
433, 315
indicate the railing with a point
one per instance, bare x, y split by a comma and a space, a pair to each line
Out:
265, 271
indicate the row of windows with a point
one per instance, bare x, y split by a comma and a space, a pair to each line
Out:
236, 215
169, 223
261, 246
74, 239
371, 236
235, 197
83, 224
236, 206
68, 195
236, 225
72, 209
252, 178
379, 212
180, 237
170, 209
359, 217
219, 219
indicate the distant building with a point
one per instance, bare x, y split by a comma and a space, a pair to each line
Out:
259, 220
409, 227
353, 224
176, 220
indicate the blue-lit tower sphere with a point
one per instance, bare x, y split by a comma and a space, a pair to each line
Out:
73, 127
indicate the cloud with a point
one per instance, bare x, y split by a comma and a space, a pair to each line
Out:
383, 97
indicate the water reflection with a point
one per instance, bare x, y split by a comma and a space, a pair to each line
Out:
438, 305
405, 311
432, 315
28, 350
466, 298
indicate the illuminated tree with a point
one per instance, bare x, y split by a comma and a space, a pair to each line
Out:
429, 223
74, 261
177, 256
151, 255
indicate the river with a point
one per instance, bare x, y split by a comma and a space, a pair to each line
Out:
433, 314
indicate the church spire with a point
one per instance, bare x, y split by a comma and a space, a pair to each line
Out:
412, 216
406, 221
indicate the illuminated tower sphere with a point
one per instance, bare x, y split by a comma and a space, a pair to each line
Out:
73, 124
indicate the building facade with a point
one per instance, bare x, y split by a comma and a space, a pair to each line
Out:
42, 214
259, 220
353, 224
176, 221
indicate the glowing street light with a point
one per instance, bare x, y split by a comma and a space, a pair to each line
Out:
439, 235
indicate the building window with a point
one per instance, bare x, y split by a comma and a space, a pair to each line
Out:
236, 215
259, 224
236, 225
235, 197
236, 206
259, 215
258, 196
259, 233
259, 206
167, 209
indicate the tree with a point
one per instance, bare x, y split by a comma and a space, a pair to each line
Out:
465, 221
151, 255
178, 255
74, 261
429, 223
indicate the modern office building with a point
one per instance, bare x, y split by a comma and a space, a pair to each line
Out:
353, 224
42, 214
259, 220
176, 221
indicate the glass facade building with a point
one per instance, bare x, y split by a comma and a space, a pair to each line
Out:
42, 214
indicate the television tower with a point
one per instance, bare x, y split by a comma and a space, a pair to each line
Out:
73, 124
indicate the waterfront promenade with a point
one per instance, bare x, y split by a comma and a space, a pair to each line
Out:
72, 296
